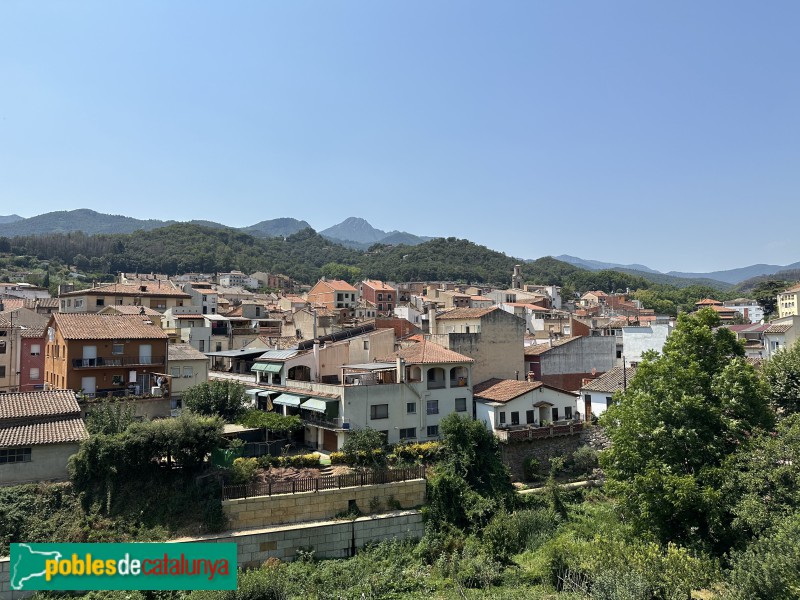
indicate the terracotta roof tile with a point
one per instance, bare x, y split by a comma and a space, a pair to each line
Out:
163, 288
378, 286
466, 313
20, 405
127, 309
425, 352
93, 326
538, 349
503, 390
57, 431
778, 328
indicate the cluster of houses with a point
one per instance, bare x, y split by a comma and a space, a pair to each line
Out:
395, 357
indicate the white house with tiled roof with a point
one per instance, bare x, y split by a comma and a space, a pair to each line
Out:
39, 431
512, 404
597, 394
781, 333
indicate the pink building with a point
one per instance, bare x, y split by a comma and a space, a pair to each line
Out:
31, 360
381, 295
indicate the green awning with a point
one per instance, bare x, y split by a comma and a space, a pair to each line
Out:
315, 405
266, 368
287, 400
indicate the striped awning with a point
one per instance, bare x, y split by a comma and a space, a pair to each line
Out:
314, 404
266, 368
288, 400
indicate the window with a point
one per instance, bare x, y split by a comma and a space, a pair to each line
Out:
555, 413
15, 455
188, 372
515, 417
101, 302
379, 411
366, 344
411, 408
619, 353
380, 296
219, 347
175, 371
117, 380
408, 434
433, 407
36, 349
202, 344
529, 418
118, 349
2, 371
2, 347
433, 431
568, 412
34, 373
461, 405
502, 418
608, 401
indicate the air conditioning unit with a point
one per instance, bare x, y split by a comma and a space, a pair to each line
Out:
155, 390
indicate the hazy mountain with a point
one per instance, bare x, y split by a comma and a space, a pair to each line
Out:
680, 282
596, 265
355, 232
9, 219
82, 219
276, 227
738, 275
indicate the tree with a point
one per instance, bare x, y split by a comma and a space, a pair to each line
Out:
364, 447
782, 374
682, 414
225, 399
766, 294
110, 418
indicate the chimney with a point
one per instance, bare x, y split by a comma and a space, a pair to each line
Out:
432, 318
316, 360
531, 376
401, 370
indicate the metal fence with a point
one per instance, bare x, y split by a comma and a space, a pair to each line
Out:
328, 482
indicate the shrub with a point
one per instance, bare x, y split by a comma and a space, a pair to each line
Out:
584, 460
532, 469
243, 471
267, 461
425, 452
339, 458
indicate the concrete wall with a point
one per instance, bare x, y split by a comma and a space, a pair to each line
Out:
265, 511
328, 539
47, 462
637, 340
497, 349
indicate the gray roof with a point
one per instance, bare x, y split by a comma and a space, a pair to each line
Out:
611, 381
242, 353
184, 352
279, 354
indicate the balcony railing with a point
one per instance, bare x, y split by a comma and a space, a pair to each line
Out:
532, 432
116, 361
319, 420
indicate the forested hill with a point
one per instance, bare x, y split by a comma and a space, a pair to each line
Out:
305, 256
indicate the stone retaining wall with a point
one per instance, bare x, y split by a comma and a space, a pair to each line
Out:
265, 511
516, 453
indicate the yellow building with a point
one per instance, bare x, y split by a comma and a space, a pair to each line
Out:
788, 301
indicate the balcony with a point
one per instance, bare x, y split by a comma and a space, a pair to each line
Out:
116, 361
319, 420
513, 433
219, 331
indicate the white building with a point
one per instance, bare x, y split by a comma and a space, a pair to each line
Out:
597, 395
749, 309
512, 404
781, 333
638, 340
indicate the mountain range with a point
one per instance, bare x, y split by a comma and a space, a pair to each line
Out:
353, 232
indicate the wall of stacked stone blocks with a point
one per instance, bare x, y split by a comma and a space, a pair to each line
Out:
264, 511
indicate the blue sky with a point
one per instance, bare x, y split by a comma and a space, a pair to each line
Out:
661, 133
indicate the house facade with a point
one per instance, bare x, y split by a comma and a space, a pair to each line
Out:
333, 294
381, 295
39, 431
788, 302
596, 395
512, 404
104, 355
159, 295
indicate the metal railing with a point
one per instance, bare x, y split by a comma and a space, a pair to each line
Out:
537, 433
116, 361
328, 482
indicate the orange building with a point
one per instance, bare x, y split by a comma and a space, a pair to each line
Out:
104, 355
333, 294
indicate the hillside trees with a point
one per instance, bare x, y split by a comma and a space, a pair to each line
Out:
683, 413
